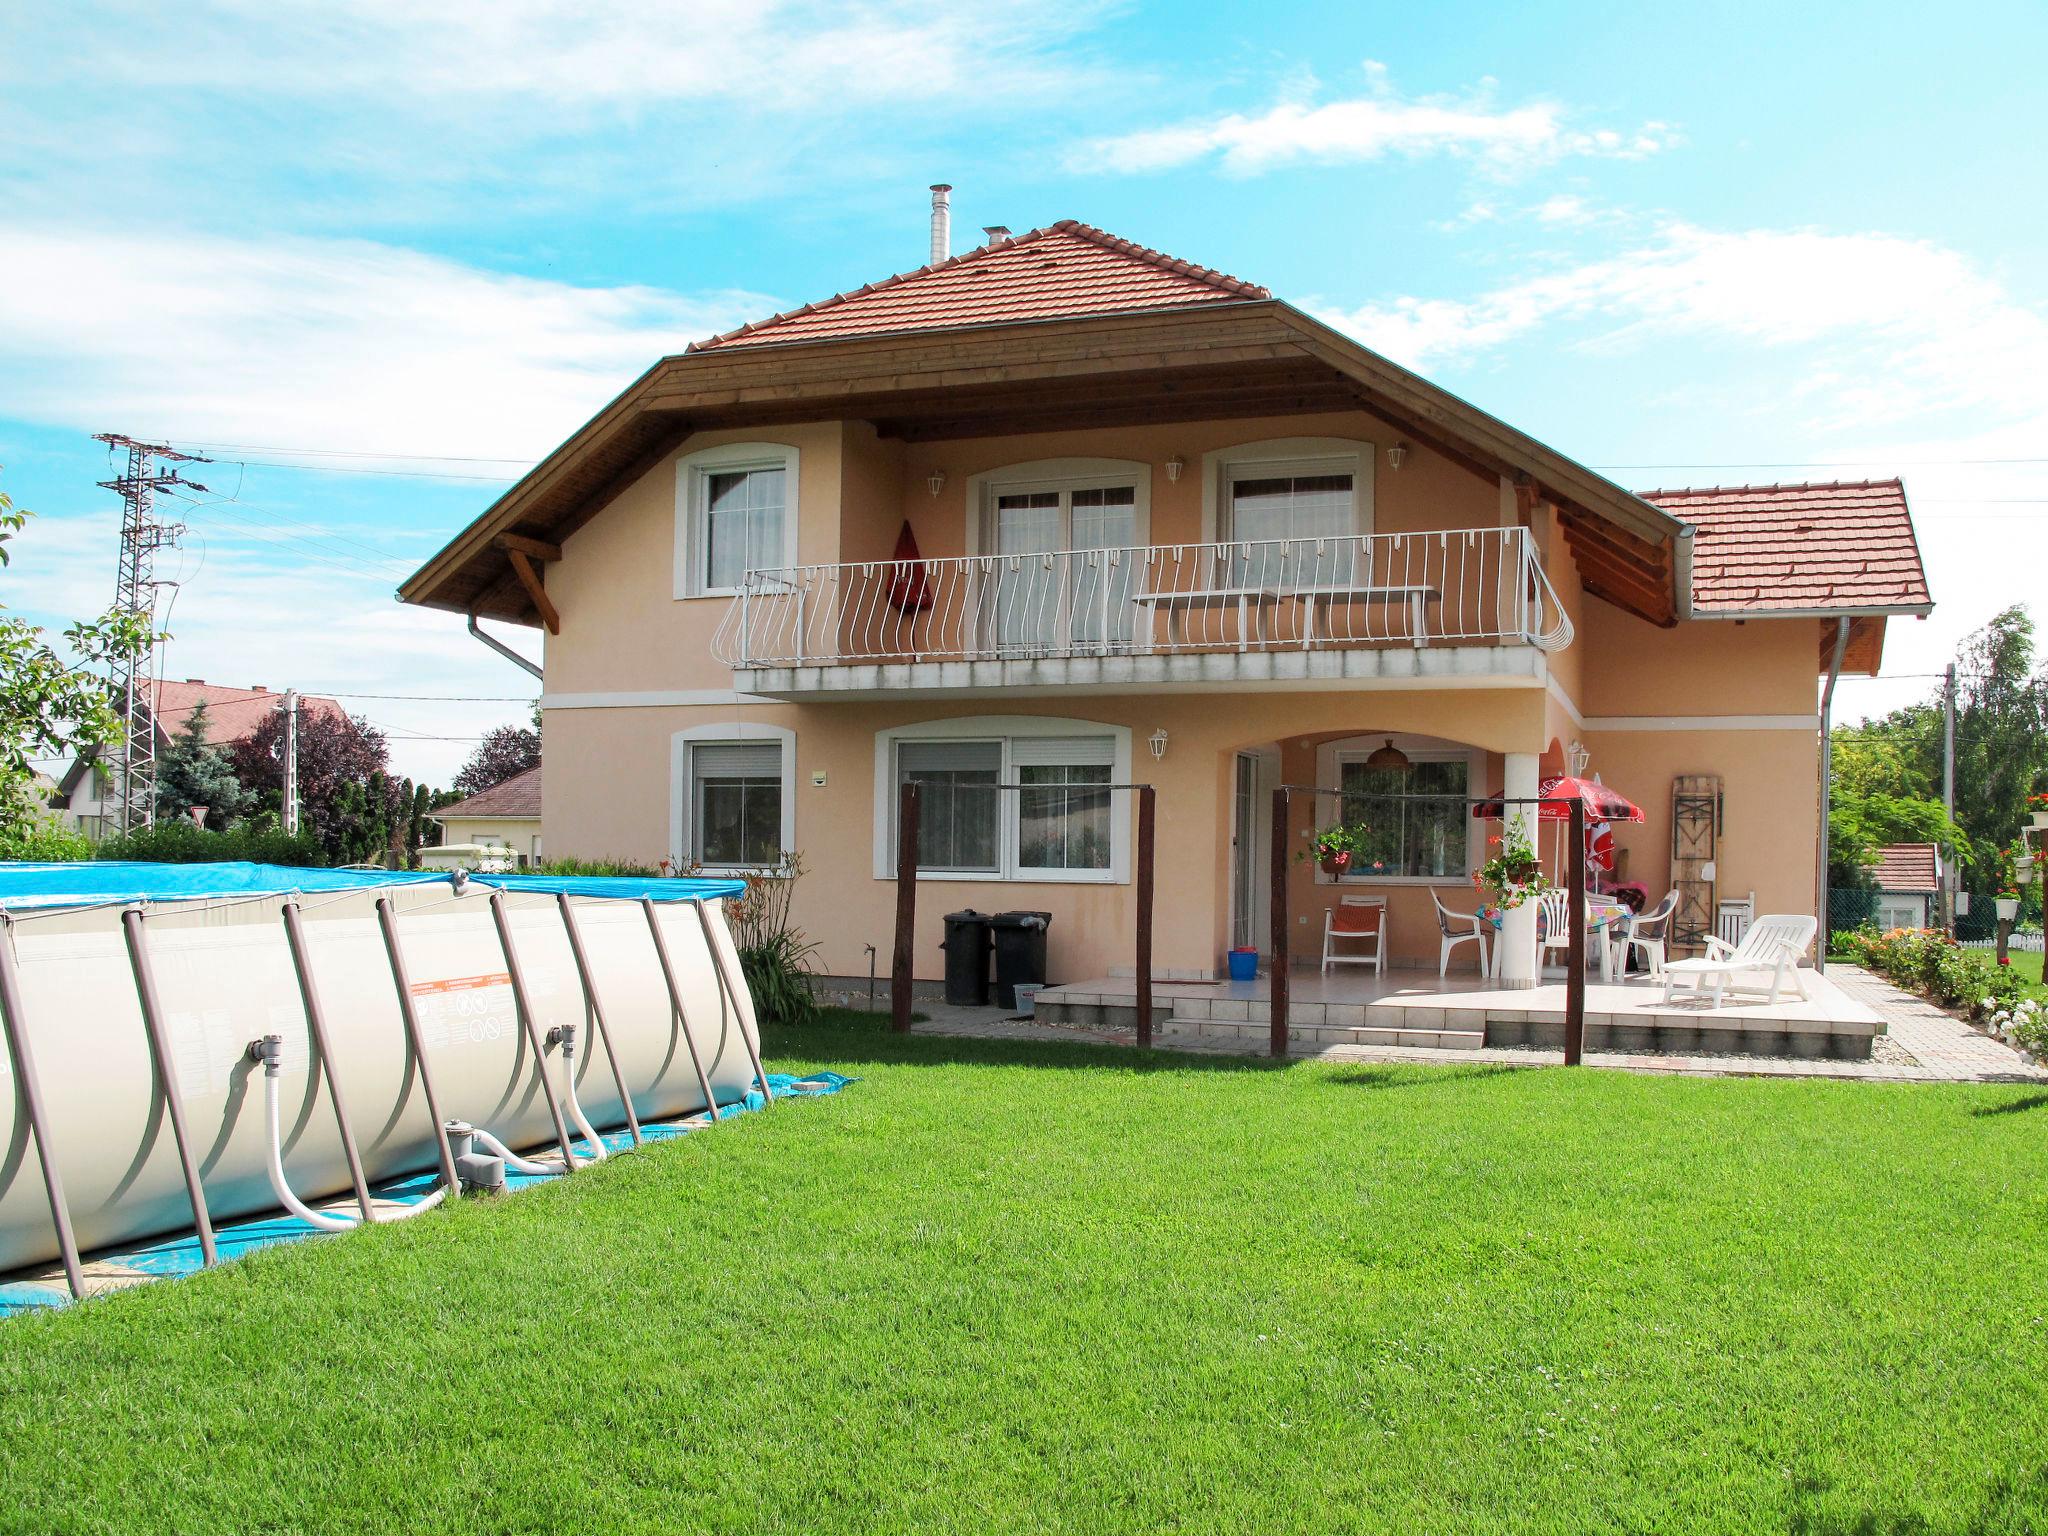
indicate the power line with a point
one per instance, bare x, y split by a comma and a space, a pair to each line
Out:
1816, 463
363, 453
350, 469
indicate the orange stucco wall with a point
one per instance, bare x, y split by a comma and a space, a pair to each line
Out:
608, 789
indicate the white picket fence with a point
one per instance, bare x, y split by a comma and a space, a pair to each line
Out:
2027, 942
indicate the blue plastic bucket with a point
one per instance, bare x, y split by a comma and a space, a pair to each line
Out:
1244, 964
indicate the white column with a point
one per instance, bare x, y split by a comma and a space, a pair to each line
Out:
1518, 928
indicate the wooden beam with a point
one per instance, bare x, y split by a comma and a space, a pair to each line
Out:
529, 578
535, 549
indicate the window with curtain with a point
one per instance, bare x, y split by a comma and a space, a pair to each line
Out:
1083, 596
958, 817
1272, 504
1425, 837
736, 803
743, 523
1062, 824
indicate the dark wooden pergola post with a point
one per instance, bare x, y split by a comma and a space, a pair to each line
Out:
906, 910
1146, 808
1279, 860
1575, 961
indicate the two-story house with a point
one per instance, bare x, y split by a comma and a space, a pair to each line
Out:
1065, 511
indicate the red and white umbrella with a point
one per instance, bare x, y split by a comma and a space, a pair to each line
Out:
1602, 804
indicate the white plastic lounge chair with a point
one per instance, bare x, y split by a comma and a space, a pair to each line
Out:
1356, 920
1646, 933
1772, 948
1458, 928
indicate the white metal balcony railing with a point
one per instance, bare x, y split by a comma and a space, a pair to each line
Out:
1465, 586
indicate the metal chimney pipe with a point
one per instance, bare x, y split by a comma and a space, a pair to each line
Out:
997, 234
942, 222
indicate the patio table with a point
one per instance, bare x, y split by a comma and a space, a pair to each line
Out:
1603, 918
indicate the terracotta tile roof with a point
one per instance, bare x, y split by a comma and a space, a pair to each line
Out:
231, 713
1908, 867
516, 796
1809, 547
1063, 270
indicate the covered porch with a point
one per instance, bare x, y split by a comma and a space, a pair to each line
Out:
1466, 1011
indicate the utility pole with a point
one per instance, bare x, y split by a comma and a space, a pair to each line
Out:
290, 706
1948, 789
133, 782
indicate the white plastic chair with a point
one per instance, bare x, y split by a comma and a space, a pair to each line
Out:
1369, 926
1772, 947
1458, 928
1647, 933
1553, 923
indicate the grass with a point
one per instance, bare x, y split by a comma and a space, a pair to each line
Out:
1003, 1287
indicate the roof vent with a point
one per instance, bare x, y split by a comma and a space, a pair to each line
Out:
998, 234
942, 222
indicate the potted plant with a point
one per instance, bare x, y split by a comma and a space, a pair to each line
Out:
1512, 875
2005, 879
2037, 808
1336, 845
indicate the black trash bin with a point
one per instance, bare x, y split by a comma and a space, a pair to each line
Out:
966, 946
1020, 952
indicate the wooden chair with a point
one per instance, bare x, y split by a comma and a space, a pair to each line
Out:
1356, 919
1457, 928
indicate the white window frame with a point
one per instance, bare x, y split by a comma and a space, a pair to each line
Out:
1063, 475
1352, 456
1006, 729
693, 477
1330, 759
682, 746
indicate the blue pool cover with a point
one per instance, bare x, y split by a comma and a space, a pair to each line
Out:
100, 882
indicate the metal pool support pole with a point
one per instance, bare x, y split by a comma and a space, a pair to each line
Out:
725, 988
604, 1033
1278, 1044
23, 1058
1143, 958
675, 1002
524, 1008
900, 981
166, 1080
316, 1021
387, 919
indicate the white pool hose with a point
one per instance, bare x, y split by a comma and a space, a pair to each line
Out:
270, 1051
568, 1034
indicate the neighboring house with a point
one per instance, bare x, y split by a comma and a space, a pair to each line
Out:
506, 815
232, 714
1168, 529
1908, 875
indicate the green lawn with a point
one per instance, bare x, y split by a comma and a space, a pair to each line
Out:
2029, 966
1000, 1287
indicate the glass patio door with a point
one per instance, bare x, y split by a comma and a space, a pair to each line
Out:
1056, 587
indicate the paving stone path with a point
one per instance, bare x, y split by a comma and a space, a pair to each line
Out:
1922, 1044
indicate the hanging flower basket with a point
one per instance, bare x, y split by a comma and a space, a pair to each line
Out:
1513, 875
1334, 864
1336, 846
2008, 908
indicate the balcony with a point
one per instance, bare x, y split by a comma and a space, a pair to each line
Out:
1461, 605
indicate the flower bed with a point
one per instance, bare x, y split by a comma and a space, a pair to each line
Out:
1937, 966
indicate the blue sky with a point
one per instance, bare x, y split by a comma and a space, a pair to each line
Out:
1704, 244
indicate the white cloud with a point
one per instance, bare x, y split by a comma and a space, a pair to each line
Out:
1887, 326
808, 56
1370, 127
337, 343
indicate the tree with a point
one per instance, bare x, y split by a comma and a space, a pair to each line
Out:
50, 706
505, 752
193, 771
338, 755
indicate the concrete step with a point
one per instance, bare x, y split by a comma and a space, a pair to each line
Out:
1320, 1036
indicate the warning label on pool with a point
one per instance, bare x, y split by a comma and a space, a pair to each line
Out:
463, 1010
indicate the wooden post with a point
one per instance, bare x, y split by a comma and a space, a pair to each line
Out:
1575, 962
1278, 990
906, 910
1146, 797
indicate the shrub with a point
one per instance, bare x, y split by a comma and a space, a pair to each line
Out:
775, 957
623, 868
43, 840
180, 842
1937, 965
